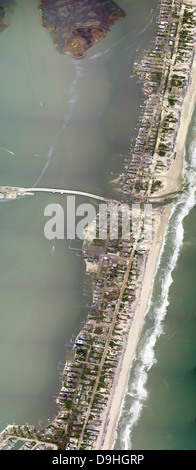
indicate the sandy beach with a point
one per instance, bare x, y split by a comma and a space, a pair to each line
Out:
172, 179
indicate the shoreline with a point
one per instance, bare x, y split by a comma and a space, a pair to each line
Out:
173, 177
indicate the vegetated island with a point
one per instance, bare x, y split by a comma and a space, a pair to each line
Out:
4, 7
94, 381
76, 25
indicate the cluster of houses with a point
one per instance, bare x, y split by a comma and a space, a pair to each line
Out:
165, 72
88, 378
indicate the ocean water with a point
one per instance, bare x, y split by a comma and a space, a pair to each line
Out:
159, 408
63, 123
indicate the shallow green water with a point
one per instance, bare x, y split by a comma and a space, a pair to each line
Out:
66, 122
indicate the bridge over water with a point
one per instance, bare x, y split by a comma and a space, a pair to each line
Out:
68, 191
